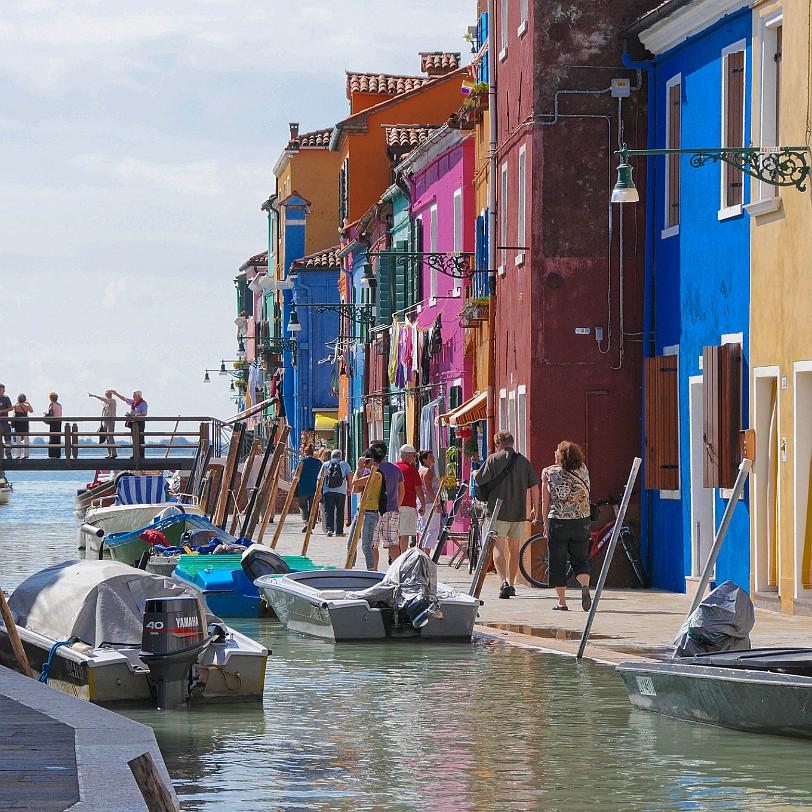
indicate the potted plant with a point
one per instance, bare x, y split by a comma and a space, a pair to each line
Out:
470, 447
451, 480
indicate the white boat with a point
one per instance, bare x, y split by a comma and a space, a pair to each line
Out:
343, 605
103, 615
5, 490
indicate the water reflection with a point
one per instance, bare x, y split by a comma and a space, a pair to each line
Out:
459, 728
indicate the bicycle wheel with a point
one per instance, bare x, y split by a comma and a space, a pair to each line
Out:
474, 544
527, 566
632, 550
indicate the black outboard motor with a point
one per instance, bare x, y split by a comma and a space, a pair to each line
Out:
172, 639
258, 560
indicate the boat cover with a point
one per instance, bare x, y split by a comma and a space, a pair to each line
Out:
211, 535
411, 575
97, 602
722, 622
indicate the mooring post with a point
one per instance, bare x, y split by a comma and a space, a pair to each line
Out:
14, 637
156, 796
488, 541
621, 515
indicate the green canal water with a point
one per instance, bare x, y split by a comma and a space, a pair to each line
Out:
425, 727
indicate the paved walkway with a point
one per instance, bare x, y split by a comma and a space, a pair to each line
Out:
58, 752
629, 623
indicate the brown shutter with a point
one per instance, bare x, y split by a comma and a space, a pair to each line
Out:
721, 417
734, 124
674, 139
661, 421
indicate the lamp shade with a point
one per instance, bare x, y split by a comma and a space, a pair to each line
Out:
206, 378
625, 191
368, 278
293, 324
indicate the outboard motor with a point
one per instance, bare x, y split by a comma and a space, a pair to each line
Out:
258, 560
173, 637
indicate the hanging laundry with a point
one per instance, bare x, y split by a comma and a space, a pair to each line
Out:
437, 335
415, 350
425, 358
400, 368
393, 351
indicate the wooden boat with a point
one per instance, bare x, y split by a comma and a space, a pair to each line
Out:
326, 604
95, 611
766, 690
5, 490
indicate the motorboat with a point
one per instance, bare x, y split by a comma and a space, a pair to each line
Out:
101, 491
343, 605
716, 677
5, 490
763, 690
109, 633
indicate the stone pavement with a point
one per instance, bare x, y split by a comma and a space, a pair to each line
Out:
629, 623
58, 752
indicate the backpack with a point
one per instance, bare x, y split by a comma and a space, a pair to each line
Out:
334, 477
383, 500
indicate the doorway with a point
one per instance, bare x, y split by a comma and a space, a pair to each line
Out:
702, 516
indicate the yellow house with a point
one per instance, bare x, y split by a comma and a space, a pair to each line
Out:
781, 318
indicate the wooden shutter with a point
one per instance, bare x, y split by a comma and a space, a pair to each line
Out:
401, 278
674, 139
386, 264
721, 414
734, 124
661, 421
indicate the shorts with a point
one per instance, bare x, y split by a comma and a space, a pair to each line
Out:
510, 530
408, 521
387, 532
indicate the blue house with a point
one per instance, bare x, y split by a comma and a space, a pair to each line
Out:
698, 288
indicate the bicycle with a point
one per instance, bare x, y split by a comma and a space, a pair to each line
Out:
600, 538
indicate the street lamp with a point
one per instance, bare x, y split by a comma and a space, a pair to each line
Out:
293, 323
777, 166
368, 278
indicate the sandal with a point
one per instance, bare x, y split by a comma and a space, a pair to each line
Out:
559, 608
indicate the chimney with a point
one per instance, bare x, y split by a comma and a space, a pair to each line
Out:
438, 63
294, 130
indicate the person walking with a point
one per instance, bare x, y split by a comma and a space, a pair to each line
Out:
509, 476
566, 514
54, 426
22, 426
429, 535
135, 420
337, 476
387, 531
5, 425
308, 481
412, 494
107, 426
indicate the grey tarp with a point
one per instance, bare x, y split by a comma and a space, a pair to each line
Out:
722, 622
95, 601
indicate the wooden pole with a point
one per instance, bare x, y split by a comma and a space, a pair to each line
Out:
284, 514
171, 439
150, 783
314, 511
266, 507
219, 515
621, 515
430, 517
488, 541
14, 637
352, 548
256, 448
262, 487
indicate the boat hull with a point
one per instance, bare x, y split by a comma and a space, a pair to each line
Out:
741, 699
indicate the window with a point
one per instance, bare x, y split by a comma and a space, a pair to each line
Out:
772, 41
503, 413
433, 249
521, 420
344, 193
673, 140
661, 422
511, 422
457, 232
521, 206
721, 414
522, 17
733, 79
503, 26
503, 216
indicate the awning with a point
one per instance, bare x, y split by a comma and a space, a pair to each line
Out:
324, 422
472, 410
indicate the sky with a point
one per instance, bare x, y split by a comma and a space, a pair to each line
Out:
137, 143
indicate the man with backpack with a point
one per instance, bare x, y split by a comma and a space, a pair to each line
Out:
337, 476
387, 533
509, 476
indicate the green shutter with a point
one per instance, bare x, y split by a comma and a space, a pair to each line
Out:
386, 264
387, 422
402, 287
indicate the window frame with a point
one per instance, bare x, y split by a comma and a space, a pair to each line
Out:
521, 204
726, 208
457, 235
769, 121
523, 17
503, 215
504, 14
672, 141
434, 275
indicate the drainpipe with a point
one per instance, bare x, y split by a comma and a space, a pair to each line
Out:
648, 290
492, 219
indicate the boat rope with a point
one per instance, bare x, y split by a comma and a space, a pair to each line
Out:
46, 666
226, 675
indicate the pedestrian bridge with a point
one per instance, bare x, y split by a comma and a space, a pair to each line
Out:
77, 444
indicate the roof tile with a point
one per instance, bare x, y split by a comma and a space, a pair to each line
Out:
383, 83
321, 259
436, 63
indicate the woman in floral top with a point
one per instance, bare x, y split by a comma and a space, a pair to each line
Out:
565, 512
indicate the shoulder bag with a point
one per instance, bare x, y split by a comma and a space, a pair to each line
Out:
483, 490
594, 510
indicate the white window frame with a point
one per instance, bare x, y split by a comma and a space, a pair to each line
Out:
503, 410
503, 26
726, 212
670, 231
433, 272
521, 206
512, 426
457, 234
675, 494
521, 419
503, 216
522, 18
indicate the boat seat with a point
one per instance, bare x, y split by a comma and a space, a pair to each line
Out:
141, 490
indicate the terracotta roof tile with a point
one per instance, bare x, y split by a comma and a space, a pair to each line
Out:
318, 138
321, 259
383, 83
257, 259
436, 63
400, 137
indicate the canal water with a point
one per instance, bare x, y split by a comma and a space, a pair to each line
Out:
482, 726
